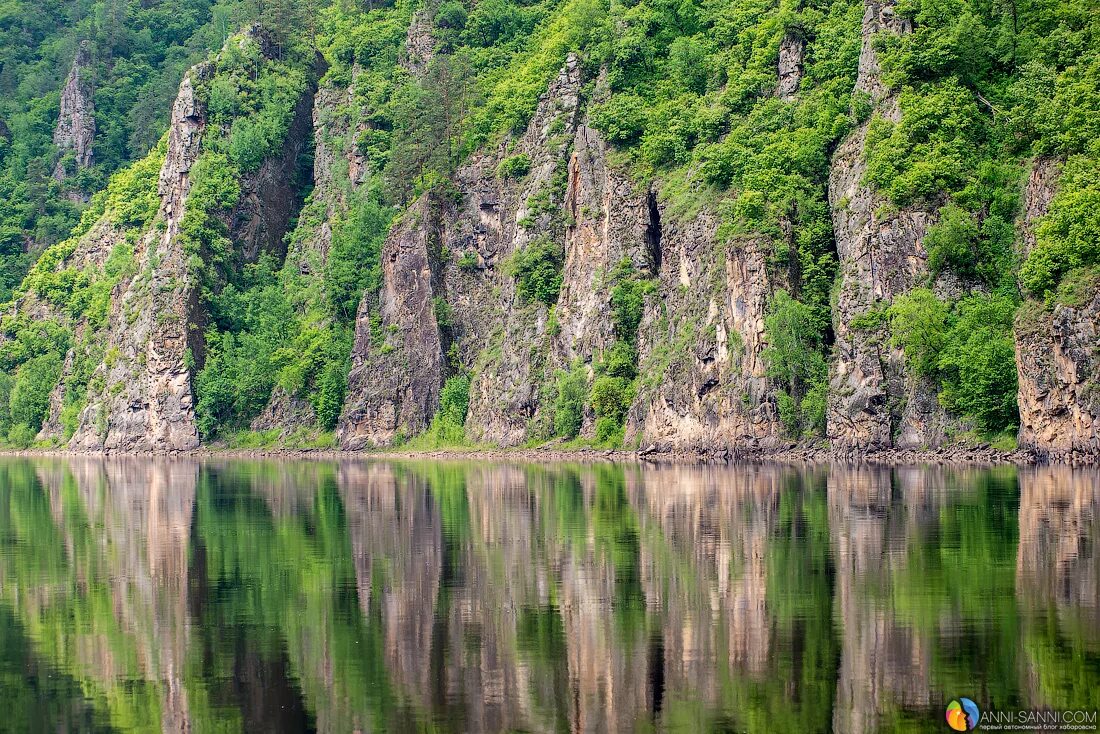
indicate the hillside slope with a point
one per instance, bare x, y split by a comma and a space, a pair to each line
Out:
731, 225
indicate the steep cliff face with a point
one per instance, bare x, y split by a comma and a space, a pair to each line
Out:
874, 401
453, 256
336, 174
126, 378
397, 361
507, 339
1058, 360
75, 131
1057, 349
446, 258
704, 380
145, 401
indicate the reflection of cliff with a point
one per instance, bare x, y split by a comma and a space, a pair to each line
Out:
1058, 584
117, 533
396, 539
884, 661
1058, 562
720, 524
373, 596
275, 599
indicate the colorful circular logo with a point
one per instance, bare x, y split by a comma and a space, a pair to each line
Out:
962, 714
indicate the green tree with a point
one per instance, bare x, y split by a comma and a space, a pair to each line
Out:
919, 323
794, 359
29, 400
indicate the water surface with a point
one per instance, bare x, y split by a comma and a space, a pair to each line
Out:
402, 596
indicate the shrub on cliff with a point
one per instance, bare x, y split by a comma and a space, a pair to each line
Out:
978, 363
965, 350
1068, 237
571, 388
537, 269
29, 400
794, 359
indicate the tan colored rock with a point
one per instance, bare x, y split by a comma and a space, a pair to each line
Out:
396, 375
1058, 367
419, 44
707, 383
874, 400
1042, 184
1057, 351
147, 403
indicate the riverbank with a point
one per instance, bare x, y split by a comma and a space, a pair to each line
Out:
981, 454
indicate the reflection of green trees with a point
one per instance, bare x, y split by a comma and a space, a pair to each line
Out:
277, 629
798, 689
1067, 670
540, 639
615, 528
36, 697
283, 586
959, 573
56, 575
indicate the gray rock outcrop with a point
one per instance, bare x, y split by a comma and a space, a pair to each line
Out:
75, 131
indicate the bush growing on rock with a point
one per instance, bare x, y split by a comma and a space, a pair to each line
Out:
29, 400
965, 350
795, 361
537, 269
515, 166
572, 389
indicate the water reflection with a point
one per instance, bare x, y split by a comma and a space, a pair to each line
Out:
275, 596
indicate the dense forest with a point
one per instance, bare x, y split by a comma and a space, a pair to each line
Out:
586, 222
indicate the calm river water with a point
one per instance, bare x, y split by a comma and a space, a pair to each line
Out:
267, 596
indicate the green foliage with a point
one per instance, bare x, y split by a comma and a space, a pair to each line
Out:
215, 188
933, 149
870, 320
468, 262
571, 389
454, 399
332, 387
354, 264
257, 99
956, 242
628, 292
537, 269
514, 166
621, 360
6, 382
21, 436
24, 339
29, 400
793, 357
978, 363
967, 351
1068, 237
919, 322
512, 90
610, 398
138, 53
447, 429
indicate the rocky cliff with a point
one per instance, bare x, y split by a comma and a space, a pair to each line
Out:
1057, 349
874, 402
630, 284
701, 349
129, 369
144, 401
75, 131
447, 257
